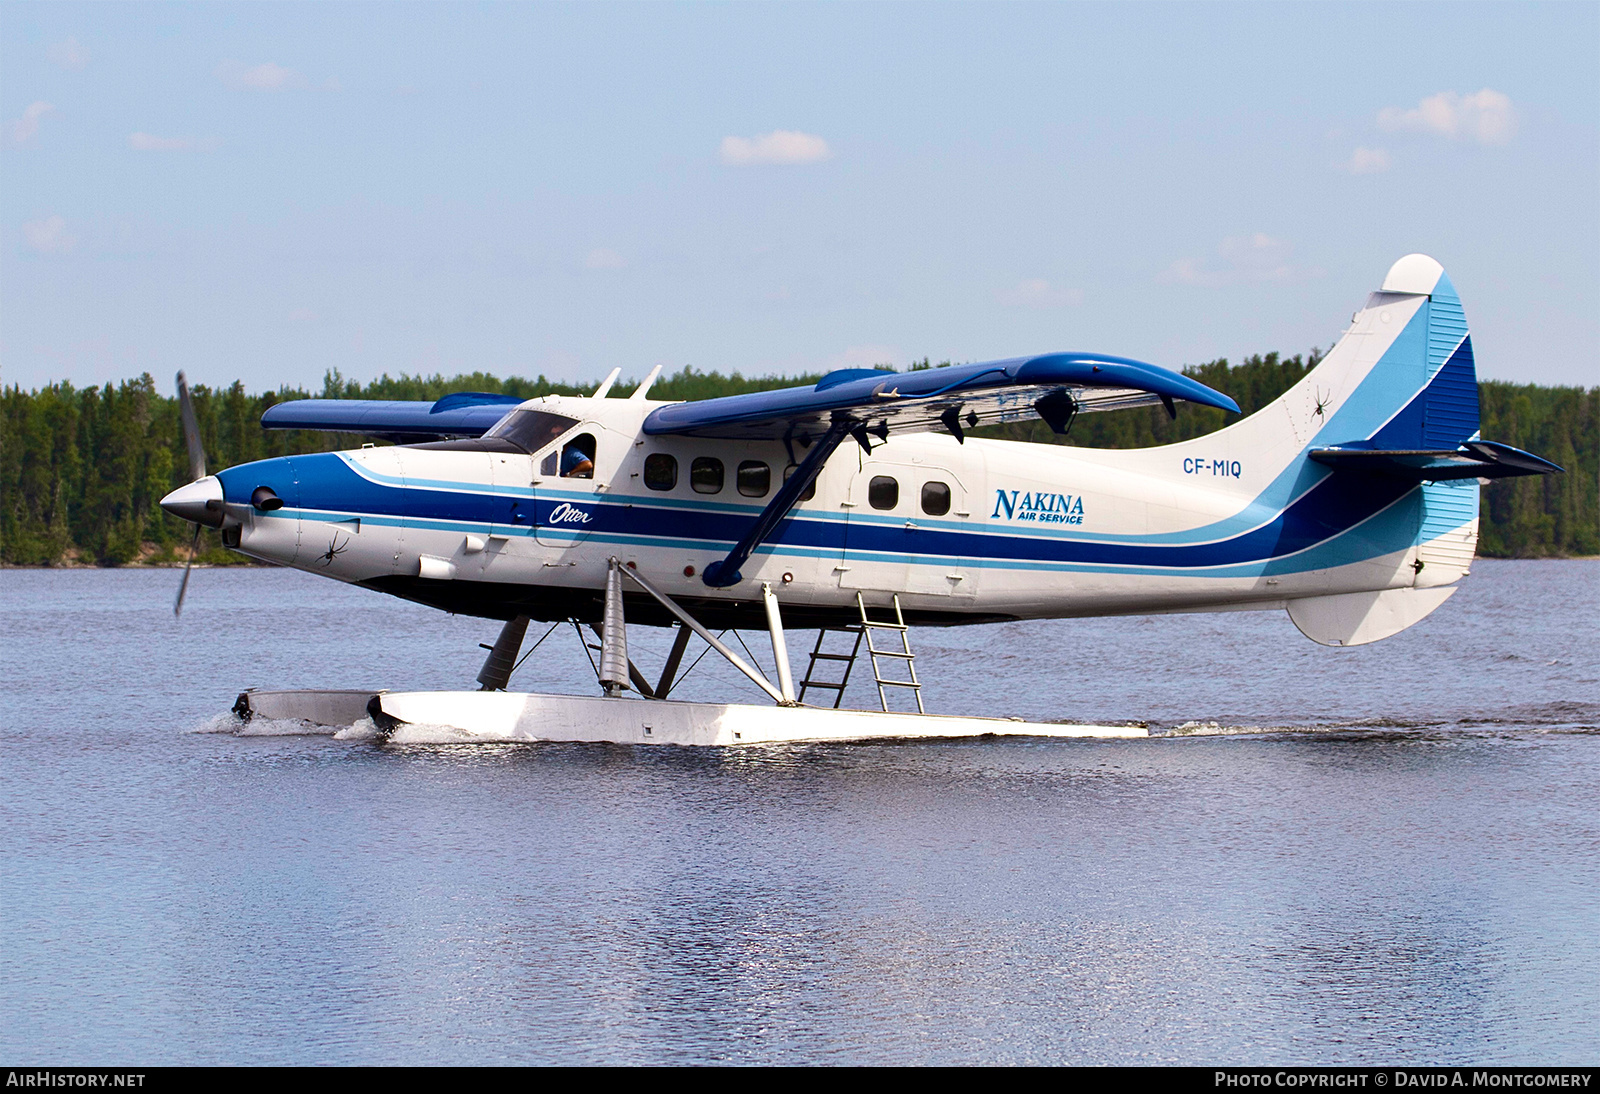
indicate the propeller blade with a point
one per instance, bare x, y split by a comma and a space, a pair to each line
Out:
191, 431
183, 586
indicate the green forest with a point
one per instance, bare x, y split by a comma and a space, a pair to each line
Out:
82, 469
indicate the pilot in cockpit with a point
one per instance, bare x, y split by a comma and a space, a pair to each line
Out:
577, 458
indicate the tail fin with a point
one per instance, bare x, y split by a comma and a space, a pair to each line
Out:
1433, 437
1407, 410
1402, 377
1444, 414
1413, 410
1402, 392
1372, 448
1367, 467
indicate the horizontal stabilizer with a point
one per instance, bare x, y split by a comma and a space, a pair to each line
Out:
952, 398
1354, 619
464, 414
1472, 460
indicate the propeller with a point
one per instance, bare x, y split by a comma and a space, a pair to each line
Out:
197, 471
183, 586
191, 431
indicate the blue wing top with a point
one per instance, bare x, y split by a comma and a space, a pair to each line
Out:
464, 414
1053, 386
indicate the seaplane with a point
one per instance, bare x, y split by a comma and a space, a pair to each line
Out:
862, 506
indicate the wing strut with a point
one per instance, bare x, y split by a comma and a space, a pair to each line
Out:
720, 575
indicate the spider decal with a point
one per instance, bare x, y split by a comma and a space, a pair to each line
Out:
1321, 409
335, 549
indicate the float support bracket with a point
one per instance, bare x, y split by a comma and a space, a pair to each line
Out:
710, 639
780, 648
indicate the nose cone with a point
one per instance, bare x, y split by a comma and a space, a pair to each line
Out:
199, 503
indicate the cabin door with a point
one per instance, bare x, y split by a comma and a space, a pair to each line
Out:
564, 505
902, 533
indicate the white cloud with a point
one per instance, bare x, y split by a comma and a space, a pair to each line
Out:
266, 76
1242, 260
48, 236
1189, 271
145, 142
1036, 292
1258, 252
69, 55
24, 128
1367, 161
603, 259
1485, 116
781, 146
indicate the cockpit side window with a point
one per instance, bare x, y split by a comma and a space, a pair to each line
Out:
531, 430
577, 457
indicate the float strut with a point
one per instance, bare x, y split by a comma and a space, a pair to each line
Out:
780, 648
710, 639
496, 671
614, 637
669, 672
640, 684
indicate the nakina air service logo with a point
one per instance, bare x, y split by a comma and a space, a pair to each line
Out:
1038, 507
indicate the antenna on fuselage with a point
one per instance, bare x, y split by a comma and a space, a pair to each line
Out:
640, 391
605, 385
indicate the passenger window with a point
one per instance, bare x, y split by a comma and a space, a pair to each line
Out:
660, 471
577, 457
811, 488
705, 475
755, 479
935, 498
883, 492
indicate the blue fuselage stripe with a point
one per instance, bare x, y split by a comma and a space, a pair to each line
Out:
328, 484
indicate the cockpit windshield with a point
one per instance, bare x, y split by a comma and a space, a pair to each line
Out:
531, 430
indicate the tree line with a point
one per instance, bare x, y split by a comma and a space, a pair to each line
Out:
82, 470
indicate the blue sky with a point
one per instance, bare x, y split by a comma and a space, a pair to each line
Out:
268, 191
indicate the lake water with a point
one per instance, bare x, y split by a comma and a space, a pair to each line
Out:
1386, 855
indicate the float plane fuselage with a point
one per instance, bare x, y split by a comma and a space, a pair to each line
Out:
1351, 501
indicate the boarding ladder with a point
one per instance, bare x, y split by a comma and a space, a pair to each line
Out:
854, 633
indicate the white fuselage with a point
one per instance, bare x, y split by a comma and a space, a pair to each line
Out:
1015, 530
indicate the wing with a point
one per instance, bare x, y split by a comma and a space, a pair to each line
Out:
955, 398
463, 414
